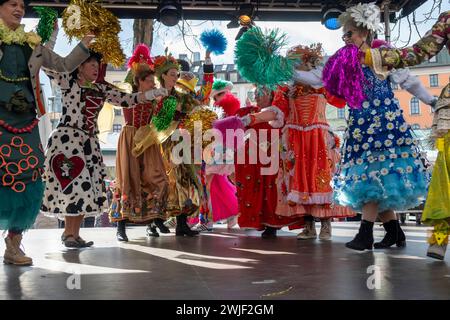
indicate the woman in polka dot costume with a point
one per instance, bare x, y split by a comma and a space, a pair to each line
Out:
74, 169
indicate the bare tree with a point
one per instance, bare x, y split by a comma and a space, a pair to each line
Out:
143, 32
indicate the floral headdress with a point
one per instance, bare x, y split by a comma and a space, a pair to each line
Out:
312, 53
366, 15
165, 63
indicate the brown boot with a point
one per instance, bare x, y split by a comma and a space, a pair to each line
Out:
13, 253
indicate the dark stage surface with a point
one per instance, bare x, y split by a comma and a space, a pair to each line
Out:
224, 264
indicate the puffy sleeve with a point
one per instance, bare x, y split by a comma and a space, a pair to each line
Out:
382, 59
280, 106
119, 98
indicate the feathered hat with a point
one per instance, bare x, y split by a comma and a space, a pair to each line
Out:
220, 86
365, 15
165, 63
303, 54
140, 61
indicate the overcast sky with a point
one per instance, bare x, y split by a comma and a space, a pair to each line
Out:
298, 33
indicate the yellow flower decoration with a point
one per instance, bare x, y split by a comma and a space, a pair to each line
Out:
18, 36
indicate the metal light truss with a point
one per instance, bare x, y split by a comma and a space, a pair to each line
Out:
268, 10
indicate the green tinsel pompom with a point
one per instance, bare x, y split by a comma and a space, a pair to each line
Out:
47, 18
258, 58
165, 116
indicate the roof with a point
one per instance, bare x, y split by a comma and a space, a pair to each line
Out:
267, 10
441, 59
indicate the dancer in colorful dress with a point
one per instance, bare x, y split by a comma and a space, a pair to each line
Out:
382, 169
74, 169
257, 193
221, 192
141, 180
306, 174
21, 102
184, 187
437, 206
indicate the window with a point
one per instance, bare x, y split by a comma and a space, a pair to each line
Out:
117, 112
196, 69
341, 113
221, 76
233, 77
414, 105
415, 126
434, 80
224, 67
394, 86
117, 127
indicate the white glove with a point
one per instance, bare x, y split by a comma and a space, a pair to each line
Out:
412, 84
155, 93
312, 78
417, 89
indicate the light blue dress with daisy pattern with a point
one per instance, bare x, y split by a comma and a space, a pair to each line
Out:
381, 161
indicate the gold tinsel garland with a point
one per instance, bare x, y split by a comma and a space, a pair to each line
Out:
99, 21
203, 115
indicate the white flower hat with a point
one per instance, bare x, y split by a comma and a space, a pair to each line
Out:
366, 15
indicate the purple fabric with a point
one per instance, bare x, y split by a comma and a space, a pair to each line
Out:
343, 76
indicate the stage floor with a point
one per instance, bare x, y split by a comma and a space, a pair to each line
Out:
224, 264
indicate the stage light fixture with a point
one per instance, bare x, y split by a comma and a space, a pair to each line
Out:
170, 13
330, 17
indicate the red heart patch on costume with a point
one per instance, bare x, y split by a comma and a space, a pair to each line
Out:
67, 169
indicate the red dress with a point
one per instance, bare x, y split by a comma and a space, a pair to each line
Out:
307, 160
257, 193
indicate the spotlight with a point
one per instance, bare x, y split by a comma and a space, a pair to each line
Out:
244, 17
330, 17
169, 13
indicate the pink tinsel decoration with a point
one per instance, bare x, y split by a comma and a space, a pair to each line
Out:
343, 76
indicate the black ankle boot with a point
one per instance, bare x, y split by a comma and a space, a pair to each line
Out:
269, 233
152, 231
160, 224
182, 228
121, 234
394, 235
364, 238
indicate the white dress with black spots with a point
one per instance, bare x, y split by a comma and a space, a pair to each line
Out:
74, 168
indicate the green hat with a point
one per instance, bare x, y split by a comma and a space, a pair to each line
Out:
220, 86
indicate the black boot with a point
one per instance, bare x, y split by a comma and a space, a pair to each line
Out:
182, 227
364, 238
269, 233
121, 234
151, 230
394, 235
160, 224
